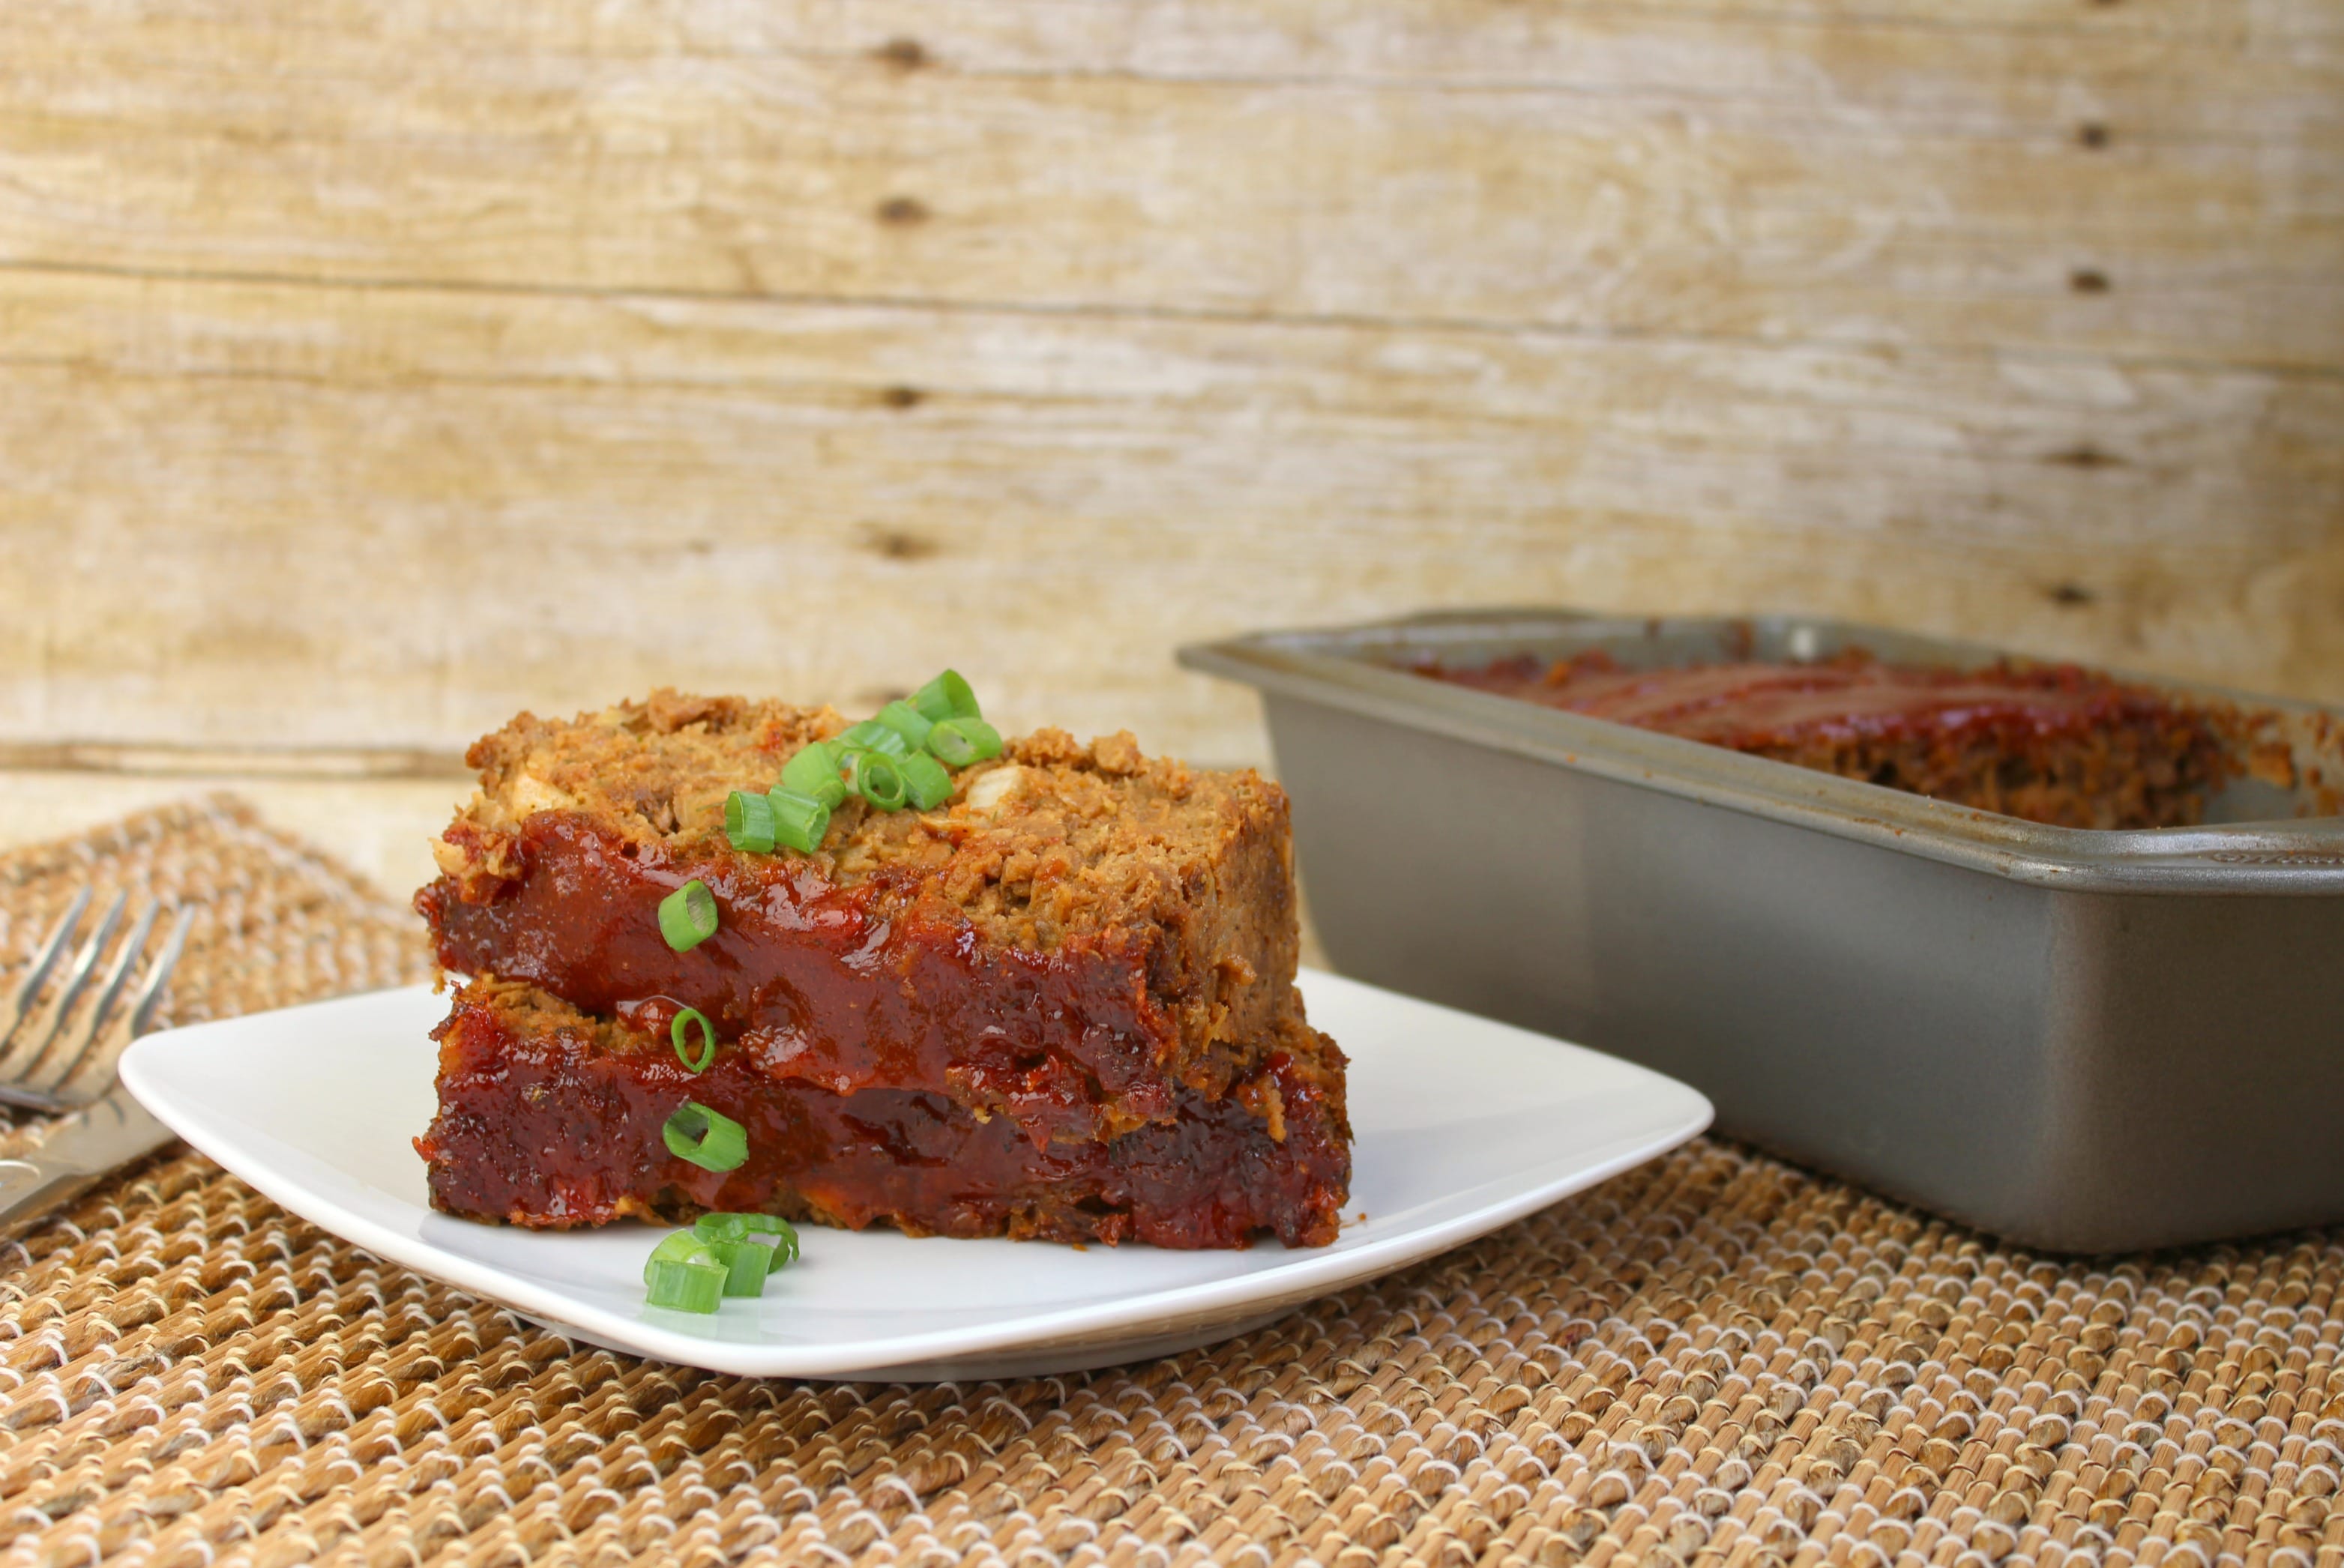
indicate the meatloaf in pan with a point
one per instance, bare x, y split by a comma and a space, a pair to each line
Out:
2054, 743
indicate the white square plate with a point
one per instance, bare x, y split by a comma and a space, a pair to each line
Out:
1462, 1125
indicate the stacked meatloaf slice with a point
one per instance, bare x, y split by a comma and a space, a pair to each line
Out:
1059, 1004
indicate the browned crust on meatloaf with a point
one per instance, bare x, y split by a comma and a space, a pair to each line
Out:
1058, 847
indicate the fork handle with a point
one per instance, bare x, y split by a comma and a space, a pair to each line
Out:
29, 1190
79, 1152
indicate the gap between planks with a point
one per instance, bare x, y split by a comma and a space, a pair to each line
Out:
1108, 313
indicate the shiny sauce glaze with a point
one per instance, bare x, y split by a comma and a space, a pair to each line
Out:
818, 987
1853, 697
553, 1128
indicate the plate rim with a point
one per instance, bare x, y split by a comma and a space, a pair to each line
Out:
1311, 1273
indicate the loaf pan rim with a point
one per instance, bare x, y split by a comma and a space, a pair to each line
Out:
2305, 856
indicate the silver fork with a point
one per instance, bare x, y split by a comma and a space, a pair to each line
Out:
44, 1065
40, 1066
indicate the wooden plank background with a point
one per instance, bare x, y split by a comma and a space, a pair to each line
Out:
370, 371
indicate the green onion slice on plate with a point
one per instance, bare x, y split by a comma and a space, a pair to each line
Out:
712, 1228
710, 1139
746, 1264
721, 1255
686, 1274
687, 916
694, 1284
676, 1247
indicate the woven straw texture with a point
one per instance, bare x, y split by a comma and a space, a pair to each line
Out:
1715, 1359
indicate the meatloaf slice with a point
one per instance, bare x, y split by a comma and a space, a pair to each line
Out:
1082, 940
548, 1118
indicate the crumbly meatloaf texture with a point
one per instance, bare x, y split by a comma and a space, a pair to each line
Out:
1081, 936
548, 1118
2051, 743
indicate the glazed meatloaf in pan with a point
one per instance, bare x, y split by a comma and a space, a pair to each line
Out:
548, 1118
2082, 1039
1080, 935
2053, 743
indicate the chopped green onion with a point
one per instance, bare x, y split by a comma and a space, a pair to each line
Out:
871, 736
926, 780
714, 1227
947, 697
746, 1264
690, 1285
710, 1139
687, 916
676, 1031
956, 743
675, 1247
749, 822
813, 772
907, 721
877, 779
693, 1271
800, 820
736, 1227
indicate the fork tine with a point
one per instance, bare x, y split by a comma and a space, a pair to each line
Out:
76, 978
84, 1040
150, 993
53, 1093
86, 961
44, 960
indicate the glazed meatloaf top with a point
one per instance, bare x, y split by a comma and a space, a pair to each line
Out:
1075, 936
2051, 743
1751, 706
1053, 839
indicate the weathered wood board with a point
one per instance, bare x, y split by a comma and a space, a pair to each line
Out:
1656, 196
367, 373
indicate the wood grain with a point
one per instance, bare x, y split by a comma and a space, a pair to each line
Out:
369, 371
1622, 180
2204, 68
546, 502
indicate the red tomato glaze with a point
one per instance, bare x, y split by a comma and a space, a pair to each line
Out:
549, 1124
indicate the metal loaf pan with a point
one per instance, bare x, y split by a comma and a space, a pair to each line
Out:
2083, 1041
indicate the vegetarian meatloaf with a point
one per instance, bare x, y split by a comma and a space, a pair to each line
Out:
548, 1118
2052, 743
1082, 946
1077, 936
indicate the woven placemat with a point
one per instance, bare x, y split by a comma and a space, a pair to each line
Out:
1716, 1358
